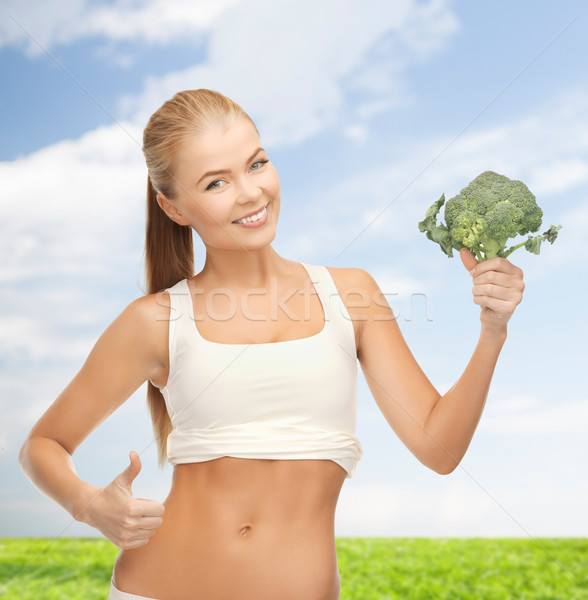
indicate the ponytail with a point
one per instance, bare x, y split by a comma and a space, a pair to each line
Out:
169, 258
169, 252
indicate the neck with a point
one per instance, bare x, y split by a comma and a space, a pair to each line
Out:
237, 269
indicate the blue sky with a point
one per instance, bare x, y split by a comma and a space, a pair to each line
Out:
369, 114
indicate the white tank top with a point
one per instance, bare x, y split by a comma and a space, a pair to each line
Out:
295, 399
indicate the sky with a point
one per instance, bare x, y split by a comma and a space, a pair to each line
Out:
369, 113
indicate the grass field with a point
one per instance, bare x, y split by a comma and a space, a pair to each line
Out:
371, 568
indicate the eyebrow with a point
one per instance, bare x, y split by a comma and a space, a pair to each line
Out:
225, 171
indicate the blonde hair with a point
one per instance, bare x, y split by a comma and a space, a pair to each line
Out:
169, 252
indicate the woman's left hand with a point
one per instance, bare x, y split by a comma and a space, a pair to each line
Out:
498, 289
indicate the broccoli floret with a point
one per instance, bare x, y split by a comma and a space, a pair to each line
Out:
485, 215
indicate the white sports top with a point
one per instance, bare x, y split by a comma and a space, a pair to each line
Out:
295, 399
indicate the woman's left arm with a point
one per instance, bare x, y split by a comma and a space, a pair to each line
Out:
437, 428
449, 428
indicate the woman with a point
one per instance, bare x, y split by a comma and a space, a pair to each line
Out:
254, 406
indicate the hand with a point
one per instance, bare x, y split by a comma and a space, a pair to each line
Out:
126, 521
498, 289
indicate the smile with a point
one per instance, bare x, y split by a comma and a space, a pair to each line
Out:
260, 216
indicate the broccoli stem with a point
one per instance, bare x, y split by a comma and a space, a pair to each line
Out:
511, 250
476, 252
492, 247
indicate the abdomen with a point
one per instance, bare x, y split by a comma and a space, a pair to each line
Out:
247, 529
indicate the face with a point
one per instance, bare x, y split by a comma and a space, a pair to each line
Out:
221, 176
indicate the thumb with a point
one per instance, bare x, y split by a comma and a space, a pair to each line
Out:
468, 259
128, 475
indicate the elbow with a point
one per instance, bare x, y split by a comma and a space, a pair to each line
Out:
23, 454
27, 453
441, 462
445, 469
439, 459
440, 465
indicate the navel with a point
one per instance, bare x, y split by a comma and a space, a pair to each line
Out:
245, 531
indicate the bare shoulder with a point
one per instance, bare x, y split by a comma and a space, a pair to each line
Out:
149, 310
149, 317
139, 334
357, 289
353, 281
347, 275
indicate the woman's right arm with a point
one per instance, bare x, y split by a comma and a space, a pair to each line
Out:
132, 350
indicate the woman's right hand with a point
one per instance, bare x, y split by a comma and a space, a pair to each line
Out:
126, 521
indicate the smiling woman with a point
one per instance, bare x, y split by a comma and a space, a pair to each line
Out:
254, 407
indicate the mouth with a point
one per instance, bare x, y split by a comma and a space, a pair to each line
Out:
260, 215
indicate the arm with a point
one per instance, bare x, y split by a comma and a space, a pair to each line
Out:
436, 429
449, 428
126, 355
453, 418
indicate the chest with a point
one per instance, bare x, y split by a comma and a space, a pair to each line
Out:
276, 313
258, 315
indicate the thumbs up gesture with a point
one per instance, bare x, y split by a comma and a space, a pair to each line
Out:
498, 289
126, 521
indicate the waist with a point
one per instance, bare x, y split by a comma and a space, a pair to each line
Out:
246, 518
230, 488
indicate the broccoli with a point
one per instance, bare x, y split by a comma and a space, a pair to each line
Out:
484, 215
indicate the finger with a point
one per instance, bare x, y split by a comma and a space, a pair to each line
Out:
498, 264
500, 307
135, 524
147, 508
495, 291
127, 477
499, 279
150, 523
131, 544
144, 533
468, 259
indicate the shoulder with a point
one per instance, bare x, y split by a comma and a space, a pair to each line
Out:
145, 320
146, 311
351, 280
359, 292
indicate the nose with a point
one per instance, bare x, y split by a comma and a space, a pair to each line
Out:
248, 190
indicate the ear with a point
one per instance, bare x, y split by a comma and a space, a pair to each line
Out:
171, 210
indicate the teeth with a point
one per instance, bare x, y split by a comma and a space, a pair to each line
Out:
254, 218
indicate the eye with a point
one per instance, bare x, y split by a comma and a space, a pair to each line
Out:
260, 163
212, 185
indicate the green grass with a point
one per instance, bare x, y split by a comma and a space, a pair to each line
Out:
371, 568
456, 569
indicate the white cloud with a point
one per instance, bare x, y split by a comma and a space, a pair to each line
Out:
294, 90
32, 336
65, 200
157, 21
44, 22
55, 22
529, 416
574, 220
560, 174
357, 133
457, 505
72, 209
